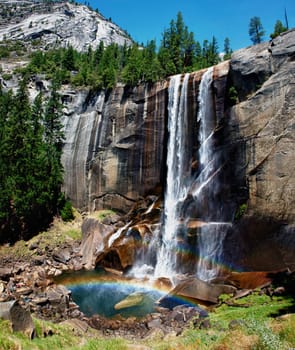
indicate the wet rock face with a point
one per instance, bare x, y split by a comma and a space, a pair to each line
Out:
114, 145
115, 151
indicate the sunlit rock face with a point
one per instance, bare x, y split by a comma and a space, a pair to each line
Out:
57, 25
114, 149
265, 118
113, 152
263, 123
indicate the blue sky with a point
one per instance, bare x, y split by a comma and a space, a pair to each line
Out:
146, 20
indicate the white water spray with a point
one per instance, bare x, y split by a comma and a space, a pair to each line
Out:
176, 190
211, 235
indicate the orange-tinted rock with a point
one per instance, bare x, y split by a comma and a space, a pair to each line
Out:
249, 280
196, 289
119, 256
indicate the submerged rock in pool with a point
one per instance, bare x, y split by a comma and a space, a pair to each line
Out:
133, 299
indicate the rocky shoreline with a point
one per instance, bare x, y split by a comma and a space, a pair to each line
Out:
31, 283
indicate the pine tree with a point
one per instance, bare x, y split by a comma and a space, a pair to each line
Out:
133, 71
256, 30
17, 151
68, 59
226, 49
109, 66
53, 138
278, 29
6, 100
151, 68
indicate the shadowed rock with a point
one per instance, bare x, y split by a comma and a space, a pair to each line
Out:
198, 290
20, 318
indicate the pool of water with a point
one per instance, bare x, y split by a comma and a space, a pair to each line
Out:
98, 293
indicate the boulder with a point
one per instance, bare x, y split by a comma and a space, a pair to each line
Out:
62, 256
133, 299
20, 318
5, 273
194, 289
119, 256
94, 234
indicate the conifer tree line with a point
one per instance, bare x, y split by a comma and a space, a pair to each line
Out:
31, 174
104, 67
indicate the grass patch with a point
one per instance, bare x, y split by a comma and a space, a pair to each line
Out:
100, 215
62, 337
255, 329
59, 233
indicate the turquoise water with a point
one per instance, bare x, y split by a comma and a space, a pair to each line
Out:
98, 293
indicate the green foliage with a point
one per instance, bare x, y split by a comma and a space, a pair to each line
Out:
226, 49
278, 29
30, 168
7, 47
63, 337
6, 76
233, 95
67, 212
267, 339
287, 329
102, 214
104, 67
4, 52
179, 52
240, 211
224, 297
256, 31
104, 344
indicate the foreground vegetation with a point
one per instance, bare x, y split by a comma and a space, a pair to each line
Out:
257, 321
31, 173
231, 328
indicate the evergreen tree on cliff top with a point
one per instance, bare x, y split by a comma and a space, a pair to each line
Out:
177, 50
278, 29
256, 30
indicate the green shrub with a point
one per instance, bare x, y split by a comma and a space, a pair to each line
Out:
233, 95
67, 213
6, 76
241, 211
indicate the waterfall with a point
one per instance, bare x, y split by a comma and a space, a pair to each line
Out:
177, 163
212, 234
198, 191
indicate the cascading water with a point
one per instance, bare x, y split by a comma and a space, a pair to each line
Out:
205, 189
177, 163
183, 187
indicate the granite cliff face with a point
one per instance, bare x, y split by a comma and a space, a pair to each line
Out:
263, 123
114, 145
115, 149
45, 25
264, 79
